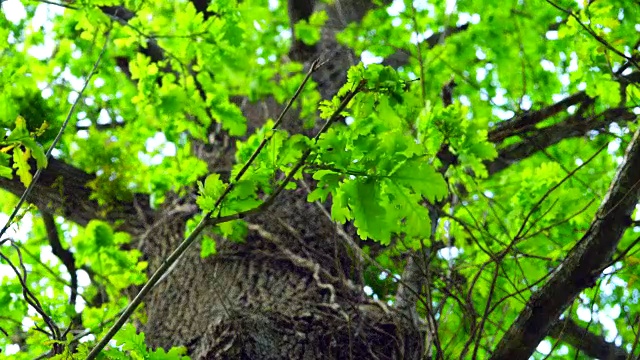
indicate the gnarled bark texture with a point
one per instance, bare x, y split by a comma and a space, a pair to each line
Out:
292, 290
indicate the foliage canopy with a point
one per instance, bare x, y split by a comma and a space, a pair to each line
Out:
476, 153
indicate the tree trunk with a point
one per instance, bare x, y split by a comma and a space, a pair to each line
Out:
293, 289
290, 291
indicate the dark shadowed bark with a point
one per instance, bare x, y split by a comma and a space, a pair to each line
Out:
590, 344
293, 289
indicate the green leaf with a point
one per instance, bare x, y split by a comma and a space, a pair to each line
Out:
309, 32
130, 340
422, 178
23, 170
369, 215
213, 186
328, 182
36, 151
208, 247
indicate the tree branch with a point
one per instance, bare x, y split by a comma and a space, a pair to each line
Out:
62, 190
582, 265
401, 57
529, 119
299, 10
574, 126
592, 345
65, 256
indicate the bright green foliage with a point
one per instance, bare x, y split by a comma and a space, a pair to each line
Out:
20, 142
308, 31
130, 345
99, 245
379, 165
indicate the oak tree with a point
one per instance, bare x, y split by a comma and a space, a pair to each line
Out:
345, 179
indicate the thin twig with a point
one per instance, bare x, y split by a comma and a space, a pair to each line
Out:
26, 193
208, 220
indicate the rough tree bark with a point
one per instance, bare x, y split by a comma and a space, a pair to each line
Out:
293, 290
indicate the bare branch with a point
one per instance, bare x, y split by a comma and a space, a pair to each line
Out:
573, 126
62, 189
529, 119
581, 267
401, 57
65, 256
36, 176
590, 344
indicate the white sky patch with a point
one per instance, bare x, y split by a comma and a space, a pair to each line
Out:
544, 347
613, 146
564, 79
584, 313
46, 255
481, 74
368, 290
76, 83
449, 253
416, 38
465, 18
396, 8
11, 349
503, 114
43, 21
368, 58
158, 143
422, 5
285, 34
500, 98
89, 337
525, 103
27, 323
614, 128
573, 62
98, 82
83, 278
547, 65
558, 97
103, 117
80, 303
552, 35
48, 292
14, 11
17, 232
563, 350
450, 7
